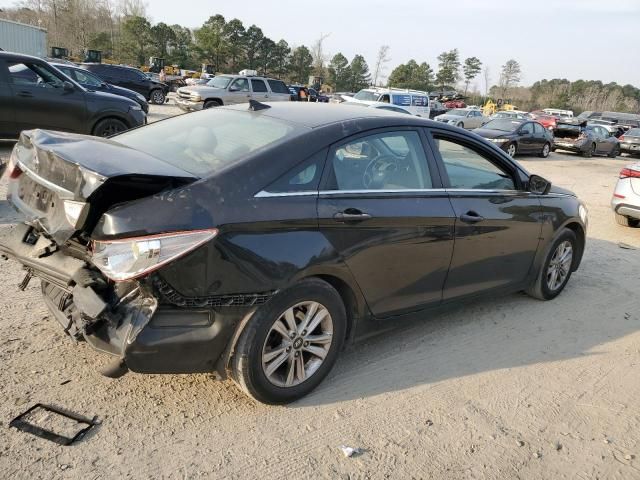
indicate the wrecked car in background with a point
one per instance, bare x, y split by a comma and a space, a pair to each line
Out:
254, 242
587, 140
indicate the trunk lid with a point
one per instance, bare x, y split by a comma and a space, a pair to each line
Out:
64, 182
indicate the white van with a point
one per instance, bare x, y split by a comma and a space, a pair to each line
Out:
415, 101
558, 113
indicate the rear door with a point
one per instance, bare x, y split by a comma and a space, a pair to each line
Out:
259, 90
8, 127
382, 207
540, 136
279, 91
498, 223
527, 142
41, 100
604, 142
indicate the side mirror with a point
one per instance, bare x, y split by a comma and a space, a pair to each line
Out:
233, 88
539, 185
68, 86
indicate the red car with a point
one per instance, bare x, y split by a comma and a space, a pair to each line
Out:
454, 104
548, 121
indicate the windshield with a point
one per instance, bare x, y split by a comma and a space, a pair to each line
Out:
207, 142
219, 82
503, 125
634, 132
458, 112
366, 95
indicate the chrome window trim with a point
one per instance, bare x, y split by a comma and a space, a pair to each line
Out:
395, 190
265, 194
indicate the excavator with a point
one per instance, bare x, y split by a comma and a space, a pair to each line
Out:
500, 105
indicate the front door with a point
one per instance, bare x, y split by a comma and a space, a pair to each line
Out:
382, 207
498, 224
42, 101
8, 127
238, 92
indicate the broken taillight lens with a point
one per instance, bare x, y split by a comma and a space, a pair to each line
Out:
130, 258
629, 173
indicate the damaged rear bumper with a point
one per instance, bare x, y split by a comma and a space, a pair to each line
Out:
129, 322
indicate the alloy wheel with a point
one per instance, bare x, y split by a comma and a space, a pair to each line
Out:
511, 150
297, 344
111, 129
158, 97
545, 150
559, 266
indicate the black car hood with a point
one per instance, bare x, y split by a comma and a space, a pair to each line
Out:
490, 133
561, 191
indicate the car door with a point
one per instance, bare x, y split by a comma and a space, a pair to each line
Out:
279, 91
603, 145
476, 118
137, 81
259, 90
527, 141
42, 101
382, 207
498, 223
8, 126
238, 92
540, 137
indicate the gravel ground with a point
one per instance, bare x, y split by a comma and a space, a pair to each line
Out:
503, 388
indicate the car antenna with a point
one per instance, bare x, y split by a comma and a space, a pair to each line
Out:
255, 105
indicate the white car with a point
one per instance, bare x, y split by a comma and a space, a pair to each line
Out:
463, 118
626, 196
383, 106
415, 101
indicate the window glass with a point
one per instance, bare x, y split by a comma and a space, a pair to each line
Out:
538, 128
302, 178
86, 78
278, 86
469, 170
33, 75
240, 85
258, 86
385, 161
526, 129
393, 109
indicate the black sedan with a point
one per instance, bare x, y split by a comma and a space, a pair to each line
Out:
516, 136
255, 240
92, 82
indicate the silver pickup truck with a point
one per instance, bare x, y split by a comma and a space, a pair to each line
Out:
231, 89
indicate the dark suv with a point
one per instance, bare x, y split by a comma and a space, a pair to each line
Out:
131, 78
33, 94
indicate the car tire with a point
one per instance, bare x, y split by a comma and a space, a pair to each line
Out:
512, 149
460, 125
547, 286
590, 151
157, 97
626, 221
108, 127
546, 149
265, 377
211, 104
615, 152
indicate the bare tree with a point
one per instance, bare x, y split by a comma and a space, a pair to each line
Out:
317, 52
509, 77
381, 60
487, 79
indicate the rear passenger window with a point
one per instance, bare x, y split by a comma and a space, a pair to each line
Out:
385, 161
258, 86
469, 170
538, 128
278, 86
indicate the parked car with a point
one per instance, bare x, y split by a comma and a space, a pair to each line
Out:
610, 126
558, 113
131, 78
299, 93
508, 115
587, 140
33, 94
264, 237
463, 118
436, 108
416, 101
518, 136
381, 106
630, 142
547, 121
316, 96
231, 90
92, 82
450, 104
626, 197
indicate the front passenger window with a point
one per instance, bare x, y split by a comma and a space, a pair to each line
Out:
469, 170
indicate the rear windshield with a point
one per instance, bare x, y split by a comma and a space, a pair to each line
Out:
503, 125
206, 142
458, 112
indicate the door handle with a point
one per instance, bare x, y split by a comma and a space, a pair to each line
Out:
351, 215
471, 217
25, 94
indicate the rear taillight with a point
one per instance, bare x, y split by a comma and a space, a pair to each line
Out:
629, 173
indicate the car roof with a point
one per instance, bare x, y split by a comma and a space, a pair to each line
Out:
314, 115
19, 56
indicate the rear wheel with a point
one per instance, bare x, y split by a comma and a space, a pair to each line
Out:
108, 127
545, 150
512, 149
290, 343
556, 268
590, 151
615, 152
626, 221
211, 104
157, 97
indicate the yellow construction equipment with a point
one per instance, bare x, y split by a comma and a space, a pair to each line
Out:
491, 107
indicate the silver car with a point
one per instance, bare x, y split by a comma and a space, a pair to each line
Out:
630, 142
626, 196
230, 90
463, 118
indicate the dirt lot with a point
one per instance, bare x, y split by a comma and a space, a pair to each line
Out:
503, 388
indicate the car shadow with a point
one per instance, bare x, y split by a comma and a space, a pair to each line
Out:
493, 334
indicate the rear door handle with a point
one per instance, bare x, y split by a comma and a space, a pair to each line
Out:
471, 217
351, 215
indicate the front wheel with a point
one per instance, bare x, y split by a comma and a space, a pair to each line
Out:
211, 104
290, 343
460, 125
556, 268
545, 150
157, 97
108, 127
512, 150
